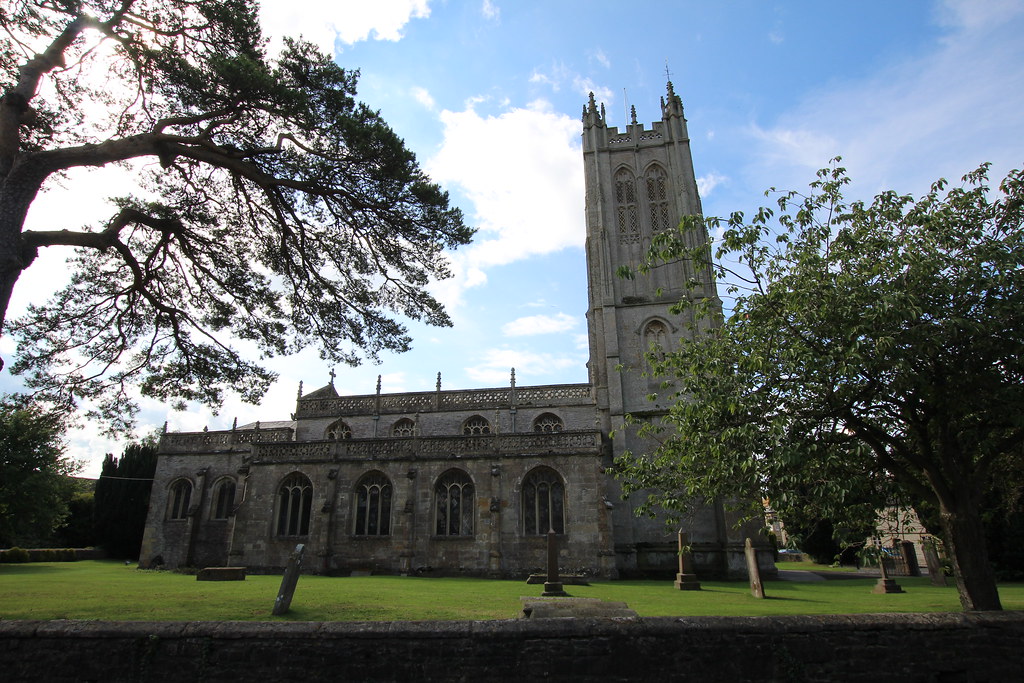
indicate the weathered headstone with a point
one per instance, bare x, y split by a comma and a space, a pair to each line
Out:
753, 571
291, 577
931, 558
221, 574
909, 555
553, 586
686, 579
885, 584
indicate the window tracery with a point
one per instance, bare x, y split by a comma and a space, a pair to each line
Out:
294, 501
453, 508
223, 498
404, 427
177, 501
657, 198
373, 505
543, 502
476, 425
338, 430
548, 422
626, 206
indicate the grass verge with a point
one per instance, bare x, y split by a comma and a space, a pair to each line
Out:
110, 591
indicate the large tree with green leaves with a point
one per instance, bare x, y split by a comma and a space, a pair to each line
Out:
35, 476
871, 348
122, 499
272, 206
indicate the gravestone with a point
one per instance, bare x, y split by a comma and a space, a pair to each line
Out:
553, 586
291, 577
885, 584
936, 573
221, 574
756, 588
686, 579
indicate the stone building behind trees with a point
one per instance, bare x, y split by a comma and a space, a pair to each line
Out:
470, 481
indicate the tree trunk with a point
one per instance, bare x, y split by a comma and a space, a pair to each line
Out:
965, 535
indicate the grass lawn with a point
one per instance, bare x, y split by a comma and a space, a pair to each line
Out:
107, 590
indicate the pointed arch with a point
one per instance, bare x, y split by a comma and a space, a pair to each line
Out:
404, 427
222, 504
338, 430
453, 504
658, 198
476, 425
179, 494
373, 505
627, 214
548, 422
543, 498
294, 503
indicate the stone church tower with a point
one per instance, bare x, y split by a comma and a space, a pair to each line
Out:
470, 481
640, 182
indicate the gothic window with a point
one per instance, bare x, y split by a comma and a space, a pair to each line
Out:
548, 422
626, 206
404, 427
657, 198
338, 430
656, 335
543, 502
373, 505
294, 501
453, 509
177, 501
476, 425
223, 498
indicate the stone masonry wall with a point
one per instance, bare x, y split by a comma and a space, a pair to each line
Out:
870, 648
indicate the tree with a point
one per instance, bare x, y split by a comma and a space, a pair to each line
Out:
872, 350
34, 474
272, 206
122, 499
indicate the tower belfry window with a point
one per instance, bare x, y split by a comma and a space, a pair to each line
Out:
626, 206
657, 199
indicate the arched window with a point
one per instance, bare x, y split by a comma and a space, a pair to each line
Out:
626, 206
543, 502
373, 505
453, 508
338, 430
223, 498
548, 422
656, 335
476, 425
177, 500
294, 500
657, 198
404, 427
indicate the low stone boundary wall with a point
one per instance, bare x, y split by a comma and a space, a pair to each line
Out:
901, 647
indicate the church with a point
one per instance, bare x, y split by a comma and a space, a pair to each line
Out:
469, 482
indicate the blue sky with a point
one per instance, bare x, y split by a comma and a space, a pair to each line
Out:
489, 95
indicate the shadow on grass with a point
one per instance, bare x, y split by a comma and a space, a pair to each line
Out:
32, 568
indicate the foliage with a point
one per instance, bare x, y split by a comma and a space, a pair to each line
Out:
273, 207
15, 554
873, 351
79, 527
34, 474
122, 499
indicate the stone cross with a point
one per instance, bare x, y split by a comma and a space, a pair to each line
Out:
686, 579
753, 571
553, 586
291, 577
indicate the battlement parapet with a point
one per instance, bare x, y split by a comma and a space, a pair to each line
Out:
188, 442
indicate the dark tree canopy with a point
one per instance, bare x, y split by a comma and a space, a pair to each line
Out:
122, 499
273, 207
35, 476
873, 350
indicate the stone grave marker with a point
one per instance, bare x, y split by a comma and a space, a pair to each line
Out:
931, 558
686, 579
291, 577
553, 586
885, 584
753, 571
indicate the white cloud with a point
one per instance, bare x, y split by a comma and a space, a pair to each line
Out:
423, 96
601, 58
521, 170
585, 86
323, 21
539, 324
707, 183
494, 368
939, 114
490, 10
